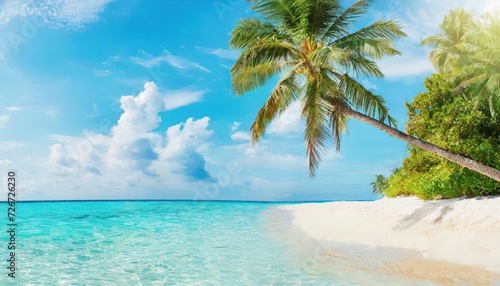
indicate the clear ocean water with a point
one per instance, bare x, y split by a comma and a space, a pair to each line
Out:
170, 243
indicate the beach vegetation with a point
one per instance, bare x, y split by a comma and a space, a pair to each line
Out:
379, 185
317, 54
454, 122
458, 111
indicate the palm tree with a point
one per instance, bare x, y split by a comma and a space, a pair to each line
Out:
309, 44
470, 51
380, 184
481, 65
446, 52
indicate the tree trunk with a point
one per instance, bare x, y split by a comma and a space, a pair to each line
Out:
459, 159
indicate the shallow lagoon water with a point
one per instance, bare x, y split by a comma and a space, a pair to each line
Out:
174, 243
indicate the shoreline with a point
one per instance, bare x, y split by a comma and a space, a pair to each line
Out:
458, 235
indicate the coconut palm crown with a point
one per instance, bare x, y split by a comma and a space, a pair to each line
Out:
469, 50
312, 46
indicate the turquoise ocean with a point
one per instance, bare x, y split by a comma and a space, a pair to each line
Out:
171, 243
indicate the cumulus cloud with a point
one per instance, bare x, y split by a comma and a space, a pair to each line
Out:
240, 136
235, 126
55, 13
289, 122
149, 61
133, 151
184, 143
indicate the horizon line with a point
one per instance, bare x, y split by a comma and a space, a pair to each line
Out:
176, 200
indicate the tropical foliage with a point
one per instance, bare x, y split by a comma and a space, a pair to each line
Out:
311, 46
380, 184
469, 50
441, 117
457, 112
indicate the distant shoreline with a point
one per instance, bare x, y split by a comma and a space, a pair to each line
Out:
179, 200
461, 232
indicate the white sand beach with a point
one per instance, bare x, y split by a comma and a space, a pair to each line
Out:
459, 231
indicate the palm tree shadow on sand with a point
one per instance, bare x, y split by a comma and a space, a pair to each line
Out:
422, 212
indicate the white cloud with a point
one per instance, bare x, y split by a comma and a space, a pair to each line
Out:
421, 19
235, 126
5, 163
4, 145
133, 153
149, 61
221, 53
406, 65
55, 13
289, 122
140, 113
368, 85
185, 141
13, 108
492, 7
240, 136
183, 97
3, 120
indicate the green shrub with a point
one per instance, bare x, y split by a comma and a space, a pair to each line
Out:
456, 123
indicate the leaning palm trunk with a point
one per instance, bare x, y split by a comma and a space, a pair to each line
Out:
459, 159
312, 45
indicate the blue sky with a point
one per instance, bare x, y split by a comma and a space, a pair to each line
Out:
105, 99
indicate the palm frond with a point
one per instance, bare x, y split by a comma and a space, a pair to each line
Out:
248, 78
343, 22
338, 119
260, 62
328, 56
385, 29
285, 92
291, 15
493, 84
478, 80
248, 31
266, 51
437, 41
317, 134
321, 13
274, 10
362, 99
377, 48
311, 41
361, 66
